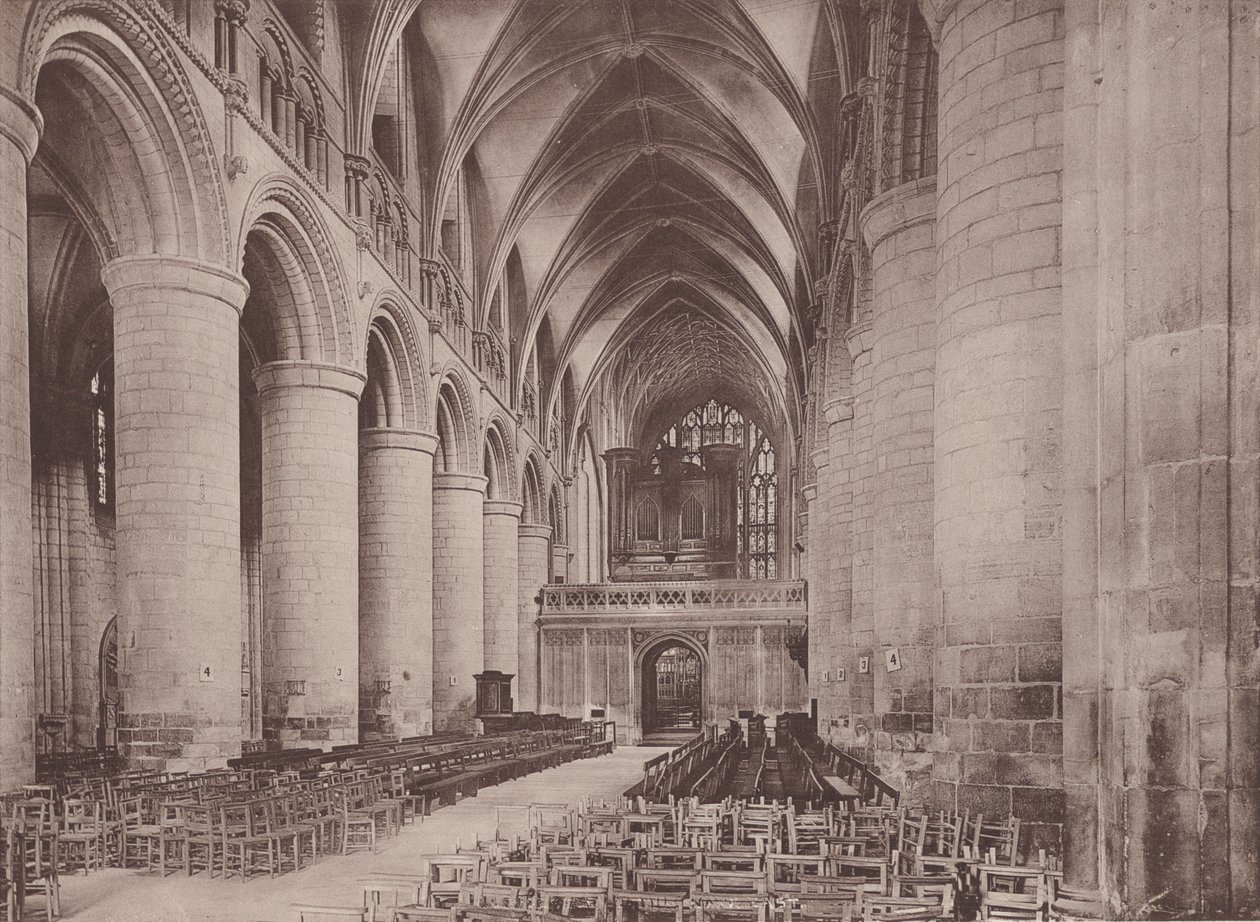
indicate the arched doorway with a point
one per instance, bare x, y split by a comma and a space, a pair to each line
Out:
673, 688
107, 727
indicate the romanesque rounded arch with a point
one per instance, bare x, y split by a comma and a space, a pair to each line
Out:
456, 424
555, 514
155, 147
394, 363
499, 460
282, 231
533, 511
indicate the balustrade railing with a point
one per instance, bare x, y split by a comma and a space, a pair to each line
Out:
775, 595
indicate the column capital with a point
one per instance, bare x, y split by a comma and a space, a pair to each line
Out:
129, 277
502, 507
301, 373
899, 208
455, 480
405, 439
533, 530
20, 122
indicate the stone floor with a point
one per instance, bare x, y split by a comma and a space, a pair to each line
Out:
132, 896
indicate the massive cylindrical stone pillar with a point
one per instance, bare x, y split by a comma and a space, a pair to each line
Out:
310, 558
500, 521
533, 547
998, 417
899, 227
177, 496
458, 597
20, 127
395, 582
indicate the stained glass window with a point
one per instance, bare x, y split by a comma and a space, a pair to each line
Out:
101, 478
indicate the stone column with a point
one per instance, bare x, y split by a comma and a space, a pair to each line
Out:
310, 558
395, 582
20, 127
532, 548
458, 598
177, 508
501, 520
899, 227
998, 414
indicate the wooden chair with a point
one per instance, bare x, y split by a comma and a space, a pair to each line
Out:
743, 907
734, 861
900, 909
81, 843
246, 849
444, 875
204, 838
37, 825
575, 875
517, 873
872, 873
567, 898
310, 912
383, 894
172, 837
139, 835
666, 880
358, 828
826, 907
1013, 893
642, 906
785, 872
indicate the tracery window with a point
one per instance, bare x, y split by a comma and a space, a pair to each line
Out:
757, 501
101, 473
758, 514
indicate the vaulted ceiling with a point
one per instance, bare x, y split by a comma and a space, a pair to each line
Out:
660, 168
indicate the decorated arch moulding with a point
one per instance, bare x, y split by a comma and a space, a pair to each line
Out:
278, 189
645, 637
471, 434
391, 305
171, 82
500, 421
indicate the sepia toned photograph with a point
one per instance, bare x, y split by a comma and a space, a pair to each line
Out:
629, 460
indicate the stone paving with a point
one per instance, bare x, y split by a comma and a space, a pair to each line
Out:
132, 896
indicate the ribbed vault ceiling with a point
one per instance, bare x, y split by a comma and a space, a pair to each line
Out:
660, 167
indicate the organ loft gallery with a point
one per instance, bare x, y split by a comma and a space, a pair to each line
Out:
629, 460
